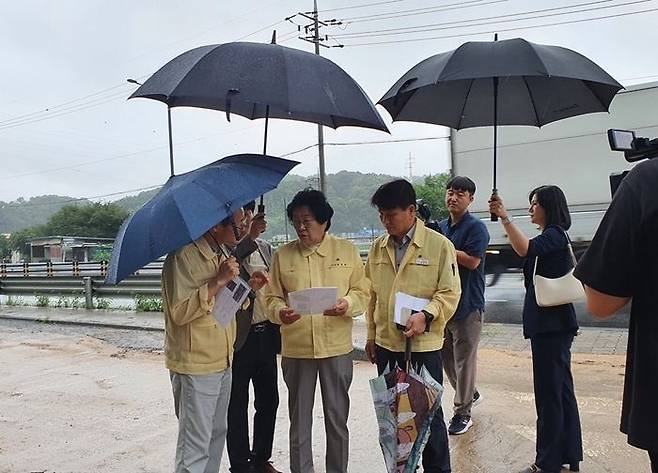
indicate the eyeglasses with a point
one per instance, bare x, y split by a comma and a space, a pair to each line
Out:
305, 223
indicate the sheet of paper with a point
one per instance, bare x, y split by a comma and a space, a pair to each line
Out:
229, 300
314, 300
405, 305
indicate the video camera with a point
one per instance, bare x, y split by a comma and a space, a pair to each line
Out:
425, 214
634, 148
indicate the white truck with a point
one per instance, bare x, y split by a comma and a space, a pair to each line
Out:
573, 154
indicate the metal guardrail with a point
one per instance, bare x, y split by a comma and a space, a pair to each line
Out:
76, 279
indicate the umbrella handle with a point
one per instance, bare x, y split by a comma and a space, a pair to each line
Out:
407, 354
494, 217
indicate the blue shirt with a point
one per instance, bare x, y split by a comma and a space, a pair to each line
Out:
471, 236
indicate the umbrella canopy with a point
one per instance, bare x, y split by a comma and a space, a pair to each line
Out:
536, 84
491, 83
405, 404
189, 205
257, 80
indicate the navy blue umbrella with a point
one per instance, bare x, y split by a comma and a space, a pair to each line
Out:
258, 80
189, 205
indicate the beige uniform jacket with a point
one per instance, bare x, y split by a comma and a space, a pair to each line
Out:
195, 343
335, 263
429, 271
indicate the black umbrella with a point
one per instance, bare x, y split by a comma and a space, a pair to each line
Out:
259, 80
510, 82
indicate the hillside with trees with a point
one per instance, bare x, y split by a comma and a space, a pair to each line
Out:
349, 194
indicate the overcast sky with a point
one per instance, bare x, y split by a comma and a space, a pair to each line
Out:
72, 58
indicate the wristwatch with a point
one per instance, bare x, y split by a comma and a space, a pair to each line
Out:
428, 320
506, 220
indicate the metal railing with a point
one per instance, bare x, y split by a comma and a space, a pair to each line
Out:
76, 279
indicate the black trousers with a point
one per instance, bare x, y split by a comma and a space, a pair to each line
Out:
559, 439
255, 362
653, 456
436, 456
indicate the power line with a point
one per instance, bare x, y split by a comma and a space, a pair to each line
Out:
66, 111
462, 35
350, 143
49, 112
81, 199
120, 156
421, 28
356, 143
363, 5
418, 11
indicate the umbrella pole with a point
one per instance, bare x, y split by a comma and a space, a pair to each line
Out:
261, 205
171, 143
494, 190
407, 354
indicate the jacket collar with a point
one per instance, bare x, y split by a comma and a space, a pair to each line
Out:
205, 249
418, 240
322, 250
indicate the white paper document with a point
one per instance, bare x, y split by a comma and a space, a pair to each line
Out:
405, 305
229, 300
314, 300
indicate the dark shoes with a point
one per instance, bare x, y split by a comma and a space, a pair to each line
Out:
535, 469
266, 467
477, 398
459, 425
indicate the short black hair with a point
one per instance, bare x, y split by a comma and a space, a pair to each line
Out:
316, 203
461, 183
554, 203
250, 206
393, 195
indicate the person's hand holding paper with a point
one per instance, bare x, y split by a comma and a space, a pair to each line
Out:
339, 308
408, 313
316, 300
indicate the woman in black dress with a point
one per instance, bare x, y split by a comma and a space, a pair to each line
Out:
550, 329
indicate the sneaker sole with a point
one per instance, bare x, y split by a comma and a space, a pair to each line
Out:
464, 430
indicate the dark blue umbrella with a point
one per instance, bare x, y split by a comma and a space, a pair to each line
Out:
491, 83
189, 205
258, 80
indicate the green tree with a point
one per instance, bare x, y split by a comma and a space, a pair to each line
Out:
5, 248
433, 192
93, 220
18, 240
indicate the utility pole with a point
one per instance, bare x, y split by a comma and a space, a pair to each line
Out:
410, 166
317, 41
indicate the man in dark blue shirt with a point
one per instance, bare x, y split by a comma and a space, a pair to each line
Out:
462, 334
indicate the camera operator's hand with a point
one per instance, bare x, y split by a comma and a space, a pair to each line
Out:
258, 226
497, 207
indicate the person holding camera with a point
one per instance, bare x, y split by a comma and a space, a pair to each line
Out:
550, 329
254, 361
622, 263
462, 334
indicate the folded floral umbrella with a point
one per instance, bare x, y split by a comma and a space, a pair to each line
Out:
405, 404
